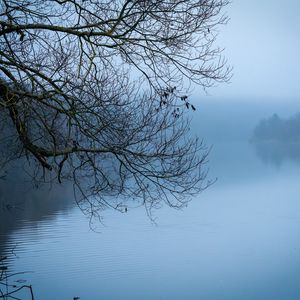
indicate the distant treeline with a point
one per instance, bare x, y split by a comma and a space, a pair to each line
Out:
277, 129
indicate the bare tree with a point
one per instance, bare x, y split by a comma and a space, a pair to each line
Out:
93, 91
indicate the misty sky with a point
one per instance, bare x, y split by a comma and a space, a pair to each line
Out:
262, 41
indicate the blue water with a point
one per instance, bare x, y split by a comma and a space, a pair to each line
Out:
239, 239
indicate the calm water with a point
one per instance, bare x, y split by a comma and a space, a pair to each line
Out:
240, 239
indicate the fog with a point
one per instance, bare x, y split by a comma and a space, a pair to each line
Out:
261, 43
219, 120
238, 239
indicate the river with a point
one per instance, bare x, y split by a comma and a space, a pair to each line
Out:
239, 239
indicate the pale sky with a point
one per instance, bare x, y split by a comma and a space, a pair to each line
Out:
262, 43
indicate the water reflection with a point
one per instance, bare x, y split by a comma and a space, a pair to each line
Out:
237, 240
277, 153
22, 204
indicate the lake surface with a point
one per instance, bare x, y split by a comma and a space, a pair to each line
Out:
239, 239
